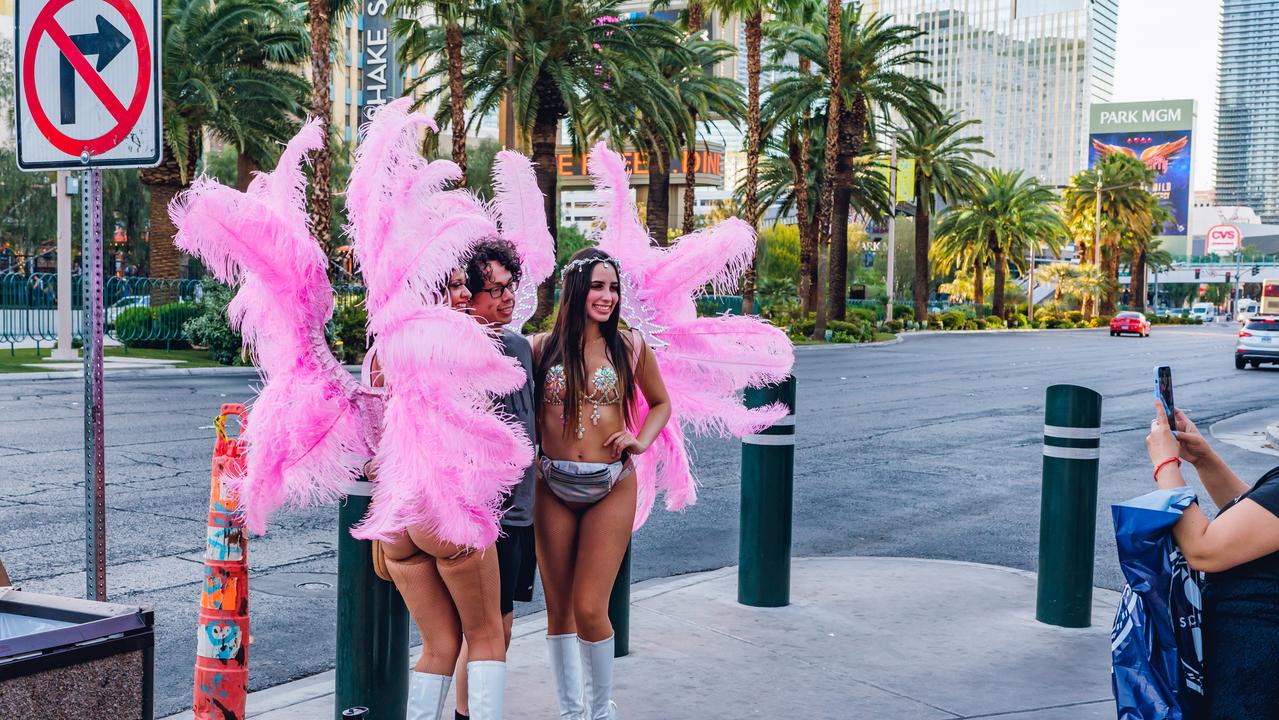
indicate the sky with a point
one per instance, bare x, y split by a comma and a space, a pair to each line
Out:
1167, 50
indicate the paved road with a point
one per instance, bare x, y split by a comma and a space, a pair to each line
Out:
928, 448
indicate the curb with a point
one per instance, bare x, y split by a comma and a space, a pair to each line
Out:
847, 346
140, 373
1272, 434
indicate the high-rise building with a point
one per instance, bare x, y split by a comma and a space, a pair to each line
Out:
1028, 69
1248, 108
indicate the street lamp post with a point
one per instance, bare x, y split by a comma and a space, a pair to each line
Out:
892, 227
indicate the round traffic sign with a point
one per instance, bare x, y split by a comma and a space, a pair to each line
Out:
126, 117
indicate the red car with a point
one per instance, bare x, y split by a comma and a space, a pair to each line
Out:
1130, 322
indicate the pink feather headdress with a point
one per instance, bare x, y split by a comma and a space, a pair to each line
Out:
705, 361
446, 458
306, 431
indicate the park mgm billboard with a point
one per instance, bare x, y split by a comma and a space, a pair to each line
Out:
1160, 134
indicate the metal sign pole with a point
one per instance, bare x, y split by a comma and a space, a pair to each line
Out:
95, 490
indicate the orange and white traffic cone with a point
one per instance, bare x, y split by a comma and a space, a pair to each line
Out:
222, 652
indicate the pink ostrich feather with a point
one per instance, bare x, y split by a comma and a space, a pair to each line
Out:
521, 209
705, 362
305, 436
446, 458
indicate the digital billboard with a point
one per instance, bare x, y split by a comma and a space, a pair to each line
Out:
1161, 135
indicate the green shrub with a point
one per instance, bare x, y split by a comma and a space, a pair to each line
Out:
209, 328
995, 322
971, 325
953, 319
1019, 321
895, 325
1074, 316
862, 313
170, 318
347, 328
135, 323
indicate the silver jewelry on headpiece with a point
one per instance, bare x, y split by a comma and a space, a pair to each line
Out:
583, 262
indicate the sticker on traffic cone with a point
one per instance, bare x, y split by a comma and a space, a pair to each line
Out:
222, 651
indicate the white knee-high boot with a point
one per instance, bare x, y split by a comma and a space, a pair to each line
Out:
566, 667
426, 695
597, 666
486, 685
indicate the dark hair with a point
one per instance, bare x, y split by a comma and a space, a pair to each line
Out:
496, 249
564, 346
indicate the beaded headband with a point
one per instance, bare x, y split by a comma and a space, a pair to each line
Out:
583, 262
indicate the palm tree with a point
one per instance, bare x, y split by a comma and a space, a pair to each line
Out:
320, 16
830, 152
419, 41
752, 14
944, 170
227, 72
872, 59
798, 131
1125, 207
701, 93
1139, 243
1059, 275
693, 22
1007, 216
571, 60
1091, 282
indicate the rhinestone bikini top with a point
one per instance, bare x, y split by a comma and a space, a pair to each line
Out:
603, 392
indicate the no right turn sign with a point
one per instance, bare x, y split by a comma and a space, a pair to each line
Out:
88, 83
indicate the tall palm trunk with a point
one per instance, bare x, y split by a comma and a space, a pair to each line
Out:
807, 238
453, 48
1139, 280
852, 131
979, 285
1110, 267
322, 108
754, 36
165, 181
920, 284
545, 136
244, 169
657, 216
690, 155
834, 40
1001, 278
798, 151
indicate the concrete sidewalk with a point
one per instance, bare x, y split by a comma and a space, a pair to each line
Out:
873, 638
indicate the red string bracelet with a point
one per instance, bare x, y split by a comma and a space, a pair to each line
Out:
1161, 465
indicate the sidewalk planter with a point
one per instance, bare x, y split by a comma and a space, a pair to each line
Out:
69, 659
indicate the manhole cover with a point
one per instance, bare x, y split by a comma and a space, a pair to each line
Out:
294, 584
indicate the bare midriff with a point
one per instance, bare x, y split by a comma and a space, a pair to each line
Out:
559, 440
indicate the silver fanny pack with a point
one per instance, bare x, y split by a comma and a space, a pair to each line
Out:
579, 482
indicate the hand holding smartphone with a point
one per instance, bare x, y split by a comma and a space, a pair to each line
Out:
1163, 393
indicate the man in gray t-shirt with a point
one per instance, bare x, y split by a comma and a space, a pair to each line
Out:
492, 276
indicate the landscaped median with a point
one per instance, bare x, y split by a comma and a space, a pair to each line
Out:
25, 360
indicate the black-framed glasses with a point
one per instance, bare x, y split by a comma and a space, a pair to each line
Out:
497, 291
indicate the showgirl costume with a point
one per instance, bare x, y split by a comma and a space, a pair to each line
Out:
705, 363
445, 458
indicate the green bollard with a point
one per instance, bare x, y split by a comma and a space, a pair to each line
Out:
1068, 506
619, 607
373, 625
768, 484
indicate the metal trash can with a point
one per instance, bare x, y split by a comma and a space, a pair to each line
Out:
69, 659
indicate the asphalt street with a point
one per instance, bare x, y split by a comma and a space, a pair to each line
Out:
928, 448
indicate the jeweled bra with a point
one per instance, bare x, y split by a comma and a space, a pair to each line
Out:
604, 392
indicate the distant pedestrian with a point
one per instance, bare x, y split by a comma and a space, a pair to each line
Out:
1239, 551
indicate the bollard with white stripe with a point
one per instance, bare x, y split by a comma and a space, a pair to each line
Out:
768, 483
1068, 506
373, 624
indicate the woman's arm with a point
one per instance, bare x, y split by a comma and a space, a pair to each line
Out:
1249, 531
1217, 478
649, 379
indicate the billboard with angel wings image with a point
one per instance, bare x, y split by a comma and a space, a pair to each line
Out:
1167, 152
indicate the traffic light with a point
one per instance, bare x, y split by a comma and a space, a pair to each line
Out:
1196, 273
1256, 270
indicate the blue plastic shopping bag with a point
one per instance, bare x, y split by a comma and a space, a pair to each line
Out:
1156, 651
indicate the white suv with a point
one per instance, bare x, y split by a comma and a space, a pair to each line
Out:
1258, 343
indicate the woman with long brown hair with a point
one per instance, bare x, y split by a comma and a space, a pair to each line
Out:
589, 372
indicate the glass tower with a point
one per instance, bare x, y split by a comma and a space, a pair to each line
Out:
1028, 69
1248, 108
